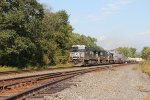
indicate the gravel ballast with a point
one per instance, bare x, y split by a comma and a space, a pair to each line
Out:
122, 83
48, 71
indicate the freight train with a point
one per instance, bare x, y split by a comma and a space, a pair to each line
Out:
81, 55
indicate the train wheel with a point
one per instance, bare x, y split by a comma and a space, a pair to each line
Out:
85, 63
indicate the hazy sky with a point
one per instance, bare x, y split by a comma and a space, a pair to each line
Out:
113, 22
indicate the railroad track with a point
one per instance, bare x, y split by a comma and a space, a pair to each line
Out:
24, 87
2, 73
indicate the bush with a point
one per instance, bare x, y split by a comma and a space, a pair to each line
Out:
145, 66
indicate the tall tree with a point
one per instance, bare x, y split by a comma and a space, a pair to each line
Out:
19, 28
56, 31
133, 51
30, 36
128, 52
146, 53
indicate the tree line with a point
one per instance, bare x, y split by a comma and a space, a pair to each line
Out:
146, 53
128, 52
32, 35
131, 52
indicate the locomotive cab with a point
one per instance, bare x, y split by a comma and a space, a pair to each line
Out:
77, 54
83, 55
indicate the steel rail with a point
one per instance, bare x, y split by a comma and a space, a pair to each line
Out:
8, 83
34, 90
43, 77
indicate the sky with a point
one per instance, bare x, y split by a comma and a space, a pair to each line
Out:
114, 23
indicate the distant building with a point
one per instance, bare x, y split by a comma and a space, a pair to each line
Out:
135, 59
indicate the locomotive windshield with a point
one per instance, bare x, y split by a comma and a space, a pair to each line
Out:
79, 48
74, 49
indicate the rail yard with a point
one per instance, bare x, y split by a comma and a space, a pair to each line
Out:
74, 50
122, 83
25, 87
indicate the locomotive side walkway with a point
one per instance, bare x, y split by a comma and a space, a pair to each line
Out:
123, 83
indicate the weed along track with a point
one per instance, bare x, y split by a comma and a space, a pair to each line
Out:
25, 87
4, 73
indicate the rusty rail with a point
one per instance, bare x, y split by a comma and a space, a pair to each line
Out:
39, 82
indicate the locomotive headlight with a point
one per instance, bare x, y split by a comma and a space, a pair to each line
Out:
76, 54
82, 54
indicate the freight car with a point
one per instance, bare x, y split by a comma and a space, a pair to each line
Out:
81, 55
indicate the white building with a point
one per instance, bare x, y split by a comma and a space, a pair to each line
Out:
135, 59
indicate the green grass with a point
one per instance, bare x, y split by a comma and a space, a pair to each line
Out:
147, 98
8, 68
145, 66
61, 66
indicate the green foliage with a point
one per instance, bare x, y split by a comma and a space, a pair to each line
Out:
31, 37
145, 67
7, 68
55, 35
19, 31
76, 38
128, 52
146, 53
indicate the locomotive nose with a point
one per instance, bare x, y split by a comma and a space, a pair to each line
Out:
76, 56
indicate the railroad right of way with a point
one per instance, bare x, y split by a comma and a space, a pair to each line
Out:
22, 87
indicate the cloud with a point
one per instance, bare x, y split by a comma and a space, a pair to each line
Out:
113, 6
144, 33
100, 38
109, 43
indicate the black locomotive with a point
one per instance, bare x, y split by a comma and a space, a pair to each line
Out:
81, 55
